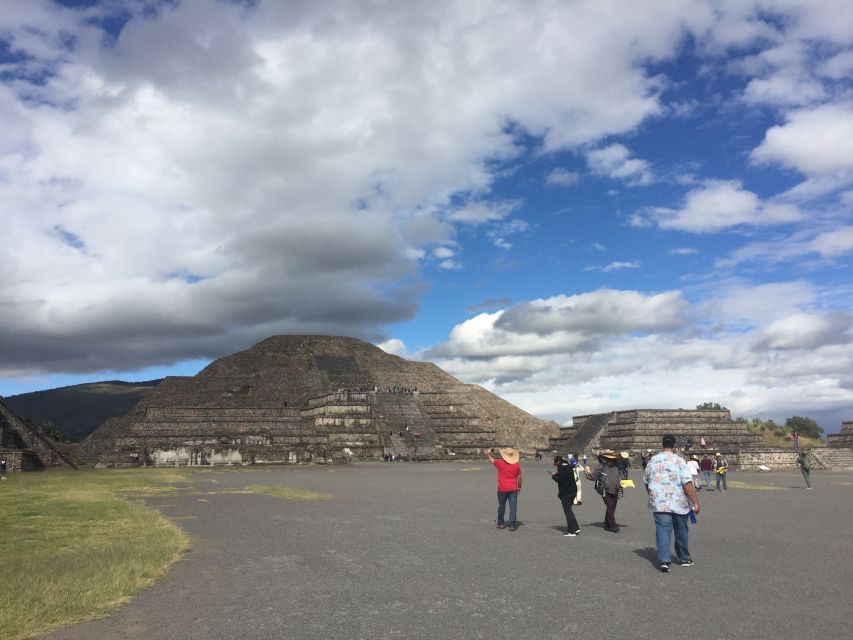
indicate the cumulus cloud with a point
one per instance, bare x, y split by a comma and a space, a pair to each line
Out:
755, 348
273, 167
562, 324
560, 177
817, 142
718, 205
615, 162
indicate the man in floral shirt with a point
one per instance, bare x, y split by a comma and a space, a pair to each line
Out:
671, 497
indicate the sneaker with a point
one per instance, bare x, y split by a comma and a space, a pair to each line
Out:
686, 563
569, 534
577, 533
664, 566
513, 528
501, 525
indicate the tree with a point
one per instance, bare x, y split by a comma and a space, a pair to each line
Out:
50, 430
804, 426
710, 406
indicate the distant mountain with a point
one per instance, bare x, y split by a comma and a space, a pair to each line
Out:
80, 409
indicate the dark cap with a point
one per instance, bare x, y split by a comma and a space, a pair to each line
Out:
668, 441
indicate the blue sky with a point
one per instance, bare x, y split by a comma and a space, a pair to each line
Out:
582, 206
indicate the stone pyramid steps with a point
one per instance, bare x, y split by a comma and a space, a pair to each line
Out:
833, 459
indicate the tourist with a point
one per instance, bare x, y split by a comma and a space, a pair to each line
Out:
607, 485
644, 460
693, 465
3, 469
567, 490
706, 466
573, 462
795, 438
721, 466
509, 484
805, 467
671, 497
702, 442
624, 463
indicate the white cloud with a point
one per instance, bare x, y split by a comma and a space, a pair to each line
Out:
560, 177
606, 350
614, 266
615, 162
817, 142
598, 246
683, 251
719, 205
394, 346
833, 243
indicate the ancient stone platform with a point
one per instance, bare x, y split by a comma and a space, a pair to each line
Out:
294, 399
639, 430
844, 439
24, 448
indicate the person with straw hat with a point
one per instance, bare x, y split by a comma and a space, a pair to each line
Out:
509, 484
607, 485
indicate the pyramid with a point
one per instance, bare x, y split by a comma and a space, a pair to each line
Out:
843, 439
294, 399
639, 430
24, 447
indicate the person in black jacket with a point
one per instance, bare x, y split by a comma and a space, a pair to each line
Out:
564, 476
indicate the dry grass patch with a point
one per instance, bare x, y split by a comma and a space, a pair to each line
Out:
73, 546
759, 486
286, 493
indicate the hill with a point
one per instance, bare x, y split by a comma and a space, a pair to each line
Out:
80, 409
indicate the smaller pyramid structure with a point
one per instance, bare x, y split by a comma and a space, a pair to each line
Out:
843, 439
24, 447
293, 399
638, 430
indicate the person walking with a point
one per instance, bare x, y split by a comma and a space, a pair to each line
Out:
693, 465
3, 469
573, 463
509, 484
624, 464
567, 489
607, 485
706, 466
805, 467
671, 498
721, 466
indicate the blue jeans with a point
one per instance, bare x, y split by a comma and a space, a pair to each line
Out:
665, 523
721, 477
503, 496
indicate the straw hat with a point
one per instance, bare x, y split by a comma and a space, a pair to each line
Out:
624, 454
509, 455
608, 453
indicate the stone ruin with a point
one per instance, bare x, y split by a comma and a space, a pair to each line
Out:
296, 399
24, 447
843, 439
638, 430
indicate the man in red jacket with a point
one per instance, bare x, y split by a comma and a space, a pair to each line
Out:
509, 483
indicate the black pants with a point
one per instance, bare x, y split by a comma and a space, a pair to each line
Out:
610, 500
571, 521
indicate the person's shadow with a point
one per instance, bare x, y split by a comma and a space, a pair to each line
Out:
649, 553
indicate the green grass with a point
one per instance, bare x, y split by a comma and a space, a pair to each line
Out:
74, 545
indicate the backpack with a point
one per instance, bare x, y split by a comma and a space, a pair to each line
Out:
601, 481
806, 464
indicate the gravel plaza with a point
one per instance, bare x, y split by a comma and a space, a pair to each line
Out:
405, 550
